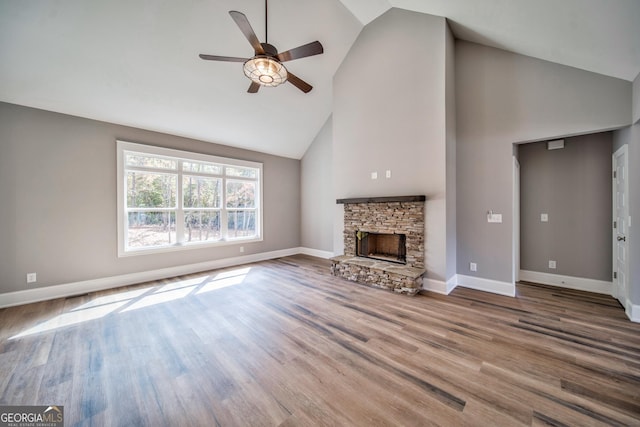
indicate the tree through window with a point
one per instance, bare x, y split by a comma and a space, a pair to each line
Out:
170, 199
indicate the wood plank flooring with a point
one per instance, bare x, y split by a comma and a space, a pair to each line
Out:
283, 343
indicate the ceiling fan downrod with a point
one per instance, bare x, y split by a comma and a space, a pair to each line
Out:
266, 23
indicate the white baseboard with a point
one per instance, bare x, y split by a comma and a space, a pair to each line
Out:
487, 285
632, 311
316, 252
439, 286
68, 289
452, 283
569, 282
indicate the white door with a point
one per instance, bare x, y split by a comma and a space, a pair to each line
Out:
620, 226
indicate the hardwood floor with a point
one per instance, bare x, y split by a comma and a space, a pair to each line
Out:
284, 343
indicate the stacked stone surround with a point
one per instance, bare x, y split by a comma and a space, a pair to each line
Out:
379, 274
402, 215
394, 217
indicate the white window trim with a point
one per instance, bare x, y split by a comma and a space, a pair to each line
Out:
124, 146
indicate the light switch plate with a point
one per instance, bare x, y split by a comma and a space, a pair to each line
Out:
552, 264
544, 217
374, 175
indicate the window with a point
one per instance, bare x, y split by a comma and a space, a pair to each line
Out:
174, 200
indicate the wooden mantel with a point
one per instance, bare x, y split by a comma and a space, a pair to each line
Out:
390, 199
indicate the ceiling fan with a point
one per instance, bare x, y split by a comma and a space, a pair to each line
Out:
265, 68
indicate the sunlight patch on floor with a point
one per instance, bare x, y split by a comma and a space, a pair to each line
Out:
139, 298
160, 297
72, 318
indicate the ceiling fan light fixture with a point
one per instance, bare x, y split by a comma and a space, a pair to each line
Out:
265, 71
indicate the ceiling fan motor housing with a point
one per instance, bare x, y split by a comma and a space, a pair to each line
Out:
269, 49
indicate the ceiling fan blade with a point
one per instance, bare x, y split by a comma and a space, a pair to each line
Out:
298, 82
245, 27
309, 49
253, 87
222, 58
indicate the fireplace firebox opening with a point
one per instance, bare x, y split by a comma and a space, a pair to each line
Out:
382, 246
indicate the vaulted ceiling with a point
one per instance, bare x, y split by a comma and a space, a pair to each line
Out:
136, 62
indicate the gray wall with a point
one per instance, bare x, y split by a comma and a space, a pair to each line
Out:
620, 138
318, 203
58, 199
630, 136
634, 197
573, 186
504, 98
388, 114
450, 87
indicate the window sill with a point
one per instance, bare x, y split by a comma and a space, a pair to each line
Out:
186, 246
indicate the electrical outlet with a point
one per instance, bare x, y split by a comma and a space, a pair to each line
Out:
388, 173
31, 278
544, 217
552, 264
473, 266
241, 248
494, 217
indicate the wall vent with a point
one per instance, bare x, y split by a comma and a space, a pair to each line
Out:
555, 144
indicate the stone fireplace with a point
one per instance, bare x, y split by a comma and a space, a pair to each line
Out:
383, 243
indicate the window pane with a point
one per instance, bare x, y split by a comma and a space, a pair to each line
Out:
151, 229
241, 194
150, 161
243, 172
201, 226
214, 199
199, 192
241, 223
201, 167
151, 190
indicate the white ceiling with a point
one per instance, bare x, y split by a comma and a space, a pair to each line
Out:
602, 36
136, 62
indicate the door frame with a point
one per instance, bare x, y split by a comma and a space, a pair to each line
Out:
515, 260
